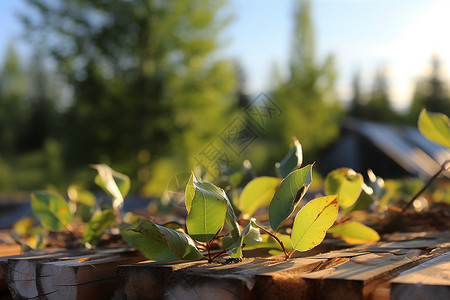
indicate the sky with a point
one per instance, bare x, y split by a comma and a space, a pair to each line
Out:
399, 36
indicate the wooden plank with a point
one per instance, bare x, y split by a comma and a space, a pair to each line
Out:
92, 277
200, 280
362, 272
429, 280
21, 272
358, 277
10, 249
289, 284
3, 268
344, 274
147, 280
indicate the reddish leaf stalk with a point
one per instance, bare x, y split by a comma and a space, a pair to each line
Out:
208, 246
209, 253
116, 211
217, 255
287, 255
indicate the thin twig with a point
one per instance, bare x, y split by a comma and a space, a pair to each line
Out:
290, 253
218, 254
277, 239
443, 168
389, 226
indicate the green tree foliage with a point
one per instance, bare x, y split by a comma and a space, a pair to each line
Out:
13, 102
357, 102
431, 93
41, 115
29, 155
375, 105
310, 109
379, 106
144, 77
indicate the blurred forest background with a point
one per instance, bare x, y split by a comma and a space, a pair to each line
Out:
141, 86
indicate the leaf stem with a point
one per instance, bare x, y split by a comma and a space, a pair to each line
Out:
217, 255
70, 228
209, 253
290, 253
118, 215
278, 240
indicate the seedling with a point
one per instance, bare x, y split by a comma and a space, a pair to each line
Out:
209, 209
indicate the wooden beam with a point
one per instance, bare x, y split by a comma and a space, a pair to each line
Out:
358, 277
10, 249
147, 280
88, 277
21, 273
429, 280
200, 280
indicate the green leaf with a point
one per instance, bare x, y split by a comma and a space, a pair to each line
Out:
207, 207
114, 183
257, 193
83, 200
363, 202
346, 183
97, 226
291, 161
51, 209
250, 235
27, 226
312, 222
160, 243
230, 218
288, 195
435, 126
355, 233
79, 195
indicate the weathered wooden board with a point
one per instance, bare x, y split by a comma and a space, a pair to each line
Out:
88, 277
10, 249
200, 280
147, 280
362, 272
3, 268
430, 280
358, 277
21, 273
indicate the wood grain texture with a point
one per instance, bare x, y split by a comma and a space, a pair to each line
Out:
21, 273
147, 280
92, 276
359, 272
358, 277
398, 267
430, 280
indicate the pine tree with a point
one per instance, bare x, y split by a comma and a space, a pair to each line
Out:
41, 114
145, 79
357, 102
310, 109
431, 93
13, 102
379, 107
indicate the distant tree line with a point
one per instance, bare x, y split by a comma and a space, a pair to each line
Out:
376, 105
140, 85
